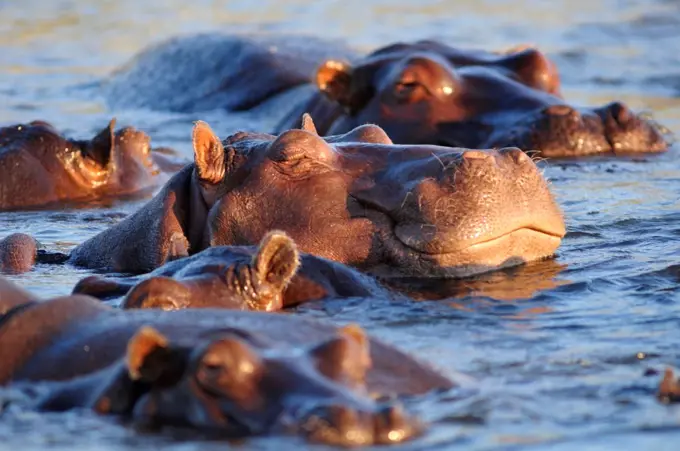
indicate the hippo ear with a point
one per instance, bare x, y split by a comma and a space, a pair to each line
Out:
101, 147
358, 335
277, 259
344, 357
208, 154
150, 359
307, 124
334, 78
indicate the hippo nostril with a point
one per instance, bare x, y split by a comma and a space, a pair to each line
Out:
560, 110
476, 155
517, 155
339, 425
620, 112
393, 425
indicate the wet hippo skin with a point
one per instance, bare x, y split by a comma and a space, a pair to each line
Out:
40, 168
422, 92
390, 210
237, 373
267, 277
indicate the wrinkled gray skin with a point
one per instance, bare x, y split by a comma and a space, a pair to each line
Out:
236, 373
40, 168
423, 92
355, 198
264, 277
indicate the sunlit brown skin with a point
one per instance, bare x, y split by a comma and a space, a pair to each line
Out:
11, 295
423, 92
260, 277
355, 198
669, 388
428, 92
231, 372
40, 168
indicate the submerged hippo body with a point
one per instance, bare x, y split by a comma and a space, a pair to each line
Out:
40, 168
424, 92
264, 277
355, 198
239, 373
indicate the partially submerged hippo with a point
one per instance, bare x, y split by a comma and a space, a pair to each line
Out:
424, 92
267, 277
236, 373
19, 252
40, 168
669, 388
355, 198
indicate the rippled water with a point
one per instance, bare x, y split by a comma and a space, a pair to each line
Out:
558, 351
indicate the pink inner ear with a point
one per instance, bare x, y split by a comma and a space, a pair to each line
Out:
308, 124
208, 154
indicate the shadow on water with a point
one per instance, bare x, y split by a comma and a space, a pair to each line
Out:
560, 354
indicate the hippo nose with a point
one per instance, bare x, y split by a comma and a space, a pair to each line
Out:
339, 425
515, 154
393, 425
477, 155
346, 426
563, 112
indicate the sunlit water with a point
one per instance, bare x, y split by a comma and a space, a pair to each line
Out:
558, 351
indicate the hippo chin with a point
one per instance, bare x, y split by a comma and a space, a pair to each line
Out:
423, 92
355, 198
267, 277
40, 168
235, 373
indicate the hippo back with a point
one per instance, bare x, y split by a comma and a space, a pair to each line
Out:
210, 71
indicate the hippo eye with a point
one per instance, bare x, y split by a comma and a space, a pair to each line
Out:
409, 91
290, 153
229, 368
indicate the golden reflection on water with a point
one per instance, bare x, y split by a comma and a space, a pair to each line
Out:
521, 282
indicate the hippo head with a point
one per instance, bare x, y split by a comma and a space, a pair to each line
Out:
238, 384
119, 160
418, 210
39, 166
428, 92
255, 285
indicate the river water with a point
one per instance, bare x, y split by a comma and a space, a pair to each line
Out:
559, 355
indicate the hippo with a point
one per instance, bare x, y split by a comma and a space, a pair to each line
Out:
267, 277
388, 210
18, 253
422, 92
232, 372
669, 388
40, 168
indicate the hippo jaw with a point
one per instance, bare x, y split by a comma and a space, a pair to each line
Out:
237, 384
489, 209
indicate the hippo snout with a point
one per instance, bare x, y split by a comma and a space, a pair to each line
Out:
341, 425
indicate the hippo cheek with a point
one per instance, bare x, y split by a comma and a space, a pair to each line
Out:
306, 222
